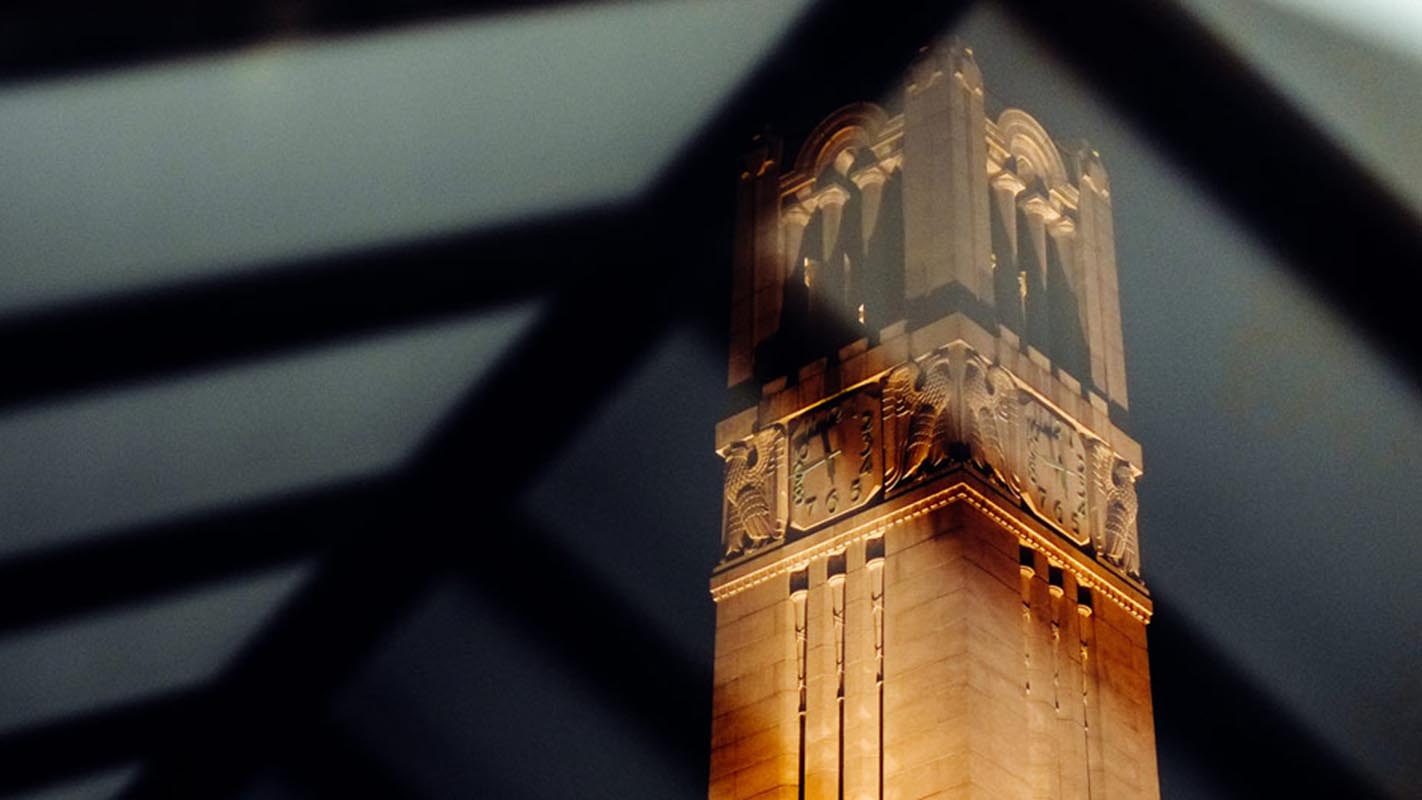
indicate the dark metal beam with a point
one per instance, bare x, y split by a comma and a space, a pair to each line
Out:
327, 763
47, 40
665, 269
583, 622
152, 334
149, 562
321, 757
69, 749
530, 404
1336, 226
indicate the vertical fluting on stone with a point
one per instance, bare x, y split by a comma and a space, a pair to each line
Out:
836, 583
759, 273
1042, 751
1073, 757
861, 703
1101, 289
874, 566
822, 706
1026, 569
1090, 694
1040, 755
945, 175
799, 598
1064, 734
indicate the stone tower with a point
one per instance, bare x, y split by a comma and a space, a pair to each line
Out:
931, 579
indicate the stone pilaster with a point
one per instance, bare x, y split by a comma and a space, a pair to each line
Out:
945, 176
1101, 295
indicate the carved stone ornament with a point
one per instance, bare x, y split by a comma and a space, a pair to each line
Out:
919, 420
755, 513
945, 409
834, 458
1116, 504
1062, 472
992, 405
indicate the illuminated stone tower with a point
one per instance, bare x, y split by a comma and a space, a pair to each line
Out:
931, 580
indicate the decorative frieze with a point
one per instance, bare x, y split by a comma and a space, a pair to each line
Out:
947, 409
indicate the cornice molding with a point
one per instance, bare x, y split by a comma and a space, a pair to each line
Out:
1087, 572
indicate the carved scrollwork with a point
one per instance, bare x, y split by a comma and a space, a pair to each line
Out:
919, 420
755, 506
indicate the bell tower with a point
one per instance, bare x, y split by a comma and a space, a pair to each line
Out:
931, 581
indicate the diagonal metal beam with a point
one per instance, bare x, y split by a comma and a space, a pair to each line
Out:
1335, 225
326, 759
589, 624
49, 40
1310, 200
166, 331
365, 586
153, 561
66, 749
632, 290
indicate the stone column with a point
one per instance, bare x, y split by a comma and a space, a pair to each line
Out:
864, 612
832, 292
792, 225
758, 277
870, 181
1101, 291
821, 704
946, 224
830, 200
1037, 213
1009, 296
1068, 334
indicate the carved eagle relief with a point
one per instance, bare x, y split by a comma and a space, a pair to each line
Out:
1114, 522
918, 419
755, 507
1122, 547
993, 417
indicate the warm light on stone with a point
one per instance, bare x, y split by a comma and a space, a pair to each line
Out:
931, 579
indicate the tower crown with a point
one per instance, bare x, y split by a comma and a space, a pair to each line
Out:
921, 292
930, 583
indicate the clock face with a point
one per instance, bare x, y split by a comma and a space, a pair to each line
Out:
835, 466
1056, 470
